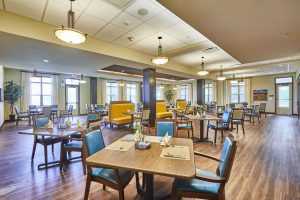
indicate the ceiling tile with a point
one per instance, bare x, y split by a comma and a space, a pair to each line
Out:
191, 36
102, 10
143, 4
58, 10
110, 32
90, 24
126, 21
37, 5
163, 20
90, 31
55, 20
77, 5
153, 49
123, 41
141, 32
24, 11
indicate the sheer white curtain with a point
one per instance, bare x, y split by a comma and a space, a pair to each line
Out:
227, 92
214, 89
103, 84
248, 90
26, 97
54, 88
138, 92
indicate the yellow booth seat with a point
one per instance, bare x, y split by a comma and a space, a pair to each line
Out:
161, 110
182, 104
116, 112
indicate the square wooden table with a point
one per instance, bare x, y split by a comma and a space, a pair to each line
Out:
147, 161
201, 120
63, 134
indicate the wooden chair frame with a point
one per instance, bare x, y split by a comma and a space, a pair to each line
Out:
166, 120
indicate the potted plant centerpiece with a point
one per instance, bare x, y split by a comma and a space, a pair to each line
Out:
12, 93
169, 95
201, 110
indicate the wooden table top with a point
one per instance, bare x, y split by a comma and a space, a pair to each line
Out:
147, 161
55, 132
207, 117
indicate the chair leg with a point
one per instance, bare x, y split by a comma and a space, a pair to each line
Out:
52, 146
222, 132
62, 159
237, 128
17, 122
243, 128
215, 141
29, 120
46, 155
137, 181
83, 162
188, 133
87, 186
121, 194
33, 150
104, 187
149, 128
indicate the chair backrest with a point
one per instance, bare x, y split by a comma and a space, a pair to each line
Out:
87, 107
262, 106
40, 121
100, 107
221, 107
32, 108
119, 108
70, 109
163, 126
47, 110
238, 115
17, 110
94, 142
92, 123
161, 106
226, 116
256, 109
55, 107
181, 103
145, 114
232, 105
245, 104
227, 157
92, 115
92, 107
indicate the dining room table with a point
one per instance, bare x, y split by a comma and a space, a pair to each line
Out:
175, 160
62, 133
201, 128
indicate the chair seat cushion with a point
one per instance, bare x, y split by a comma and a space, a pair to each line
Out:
74, 145
106, 118
122, 120
195, 185
109, 175
163, 115
49, 140
236, 121
219, 127
184, 125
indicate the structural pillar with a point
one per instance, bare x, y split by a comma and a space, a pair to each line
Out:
93, 90
201, 101
149, 93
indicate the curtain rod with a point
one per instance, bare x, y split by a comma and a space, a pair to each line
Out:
39, 72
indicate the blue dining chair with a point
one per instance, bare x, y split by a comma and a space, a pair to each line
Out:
221, 125
208, 185
117, 179
40, 121
162, 126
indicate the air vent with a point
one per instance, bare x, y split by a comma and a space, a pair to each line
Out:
121, 4
211, 50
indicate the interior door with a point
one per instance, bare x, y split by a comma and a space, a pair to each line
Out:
72, 98
284, 101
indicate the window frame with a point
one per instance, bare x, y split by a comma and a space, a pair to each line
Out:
131, 95
239, 93
41, 95
110, 91
210, 96
186, 95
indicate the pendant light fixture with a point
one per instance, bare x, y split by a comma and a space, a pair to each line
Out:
202, 72
121, 83
221, 77
81, 79
70, 34
159, 60
233, 81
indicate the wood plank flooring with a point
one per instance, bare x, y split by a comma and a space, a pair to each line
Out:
266, 165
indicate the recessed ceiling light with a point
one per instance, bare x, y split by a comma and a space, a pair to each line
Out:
126, 23
46, 61
142, 11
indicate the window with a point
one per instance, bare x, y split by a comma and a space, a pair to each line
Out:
238, 92
284, 80
284, 96
208, 92
112, 91
72, 81
41, 91
159, 93
131, 92
184, 92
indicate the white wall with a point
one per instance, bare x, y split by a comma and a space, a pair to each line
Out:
1, 103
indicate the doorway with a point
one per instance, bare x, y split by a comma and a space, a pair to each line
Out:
72, 98
284, 96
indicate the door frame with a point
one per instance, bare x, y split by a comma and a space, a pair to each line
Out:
78, 86
292, 92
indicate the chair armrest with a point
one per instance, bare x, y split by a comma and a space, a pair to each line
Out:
211, 179
206, 156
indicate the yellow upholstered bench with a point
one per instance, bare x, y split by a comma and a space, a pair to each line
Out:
116, 113
161, 110
181, 103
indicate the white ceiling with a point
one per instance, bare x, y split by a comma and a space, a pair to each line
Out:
101, 19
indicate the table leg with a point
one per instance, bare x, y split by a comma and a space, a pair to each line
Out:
148, 186
202, 138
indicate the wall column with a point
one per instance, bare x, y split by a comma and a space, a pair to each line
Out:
200, 91
93, 90
149, 93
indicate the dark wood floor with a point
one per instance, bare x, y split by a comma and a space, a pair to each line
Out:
266, 166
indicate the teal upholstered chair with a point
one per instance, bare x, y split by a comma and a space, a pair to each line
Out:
238, 119
165, 125
185, 124
117, 179
208, 185
221, 125
232, 105
40, 121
